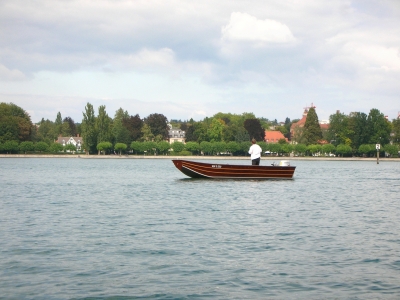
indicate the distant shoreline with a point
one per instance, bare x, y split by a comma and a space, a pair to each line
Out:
84, 156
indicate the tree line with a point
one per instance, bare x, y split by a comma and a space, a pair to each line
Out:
357, 128
223, 133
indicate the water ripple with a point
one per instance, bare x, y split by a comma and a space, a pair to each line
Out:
138, 229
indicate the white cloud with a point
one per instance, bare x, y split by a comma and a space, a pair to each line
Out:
367, 50
374, 57
243, 27
367, 62
11, 75
147, 58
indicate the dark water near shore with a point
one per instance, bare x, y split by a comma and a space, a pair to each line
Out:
119, 229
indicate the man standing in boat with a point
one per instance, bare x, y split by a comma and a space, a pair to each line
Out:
255, 152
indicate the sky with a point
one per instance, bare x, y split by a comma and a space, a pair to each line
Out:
193, 59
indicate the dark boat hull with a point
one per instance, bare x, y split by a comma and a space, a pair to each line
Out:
216, 170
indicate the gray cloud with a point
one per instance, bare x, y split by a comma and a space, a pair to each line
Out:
338, 54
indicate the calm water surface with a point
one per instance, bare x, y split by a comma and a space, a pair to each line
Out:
125, 228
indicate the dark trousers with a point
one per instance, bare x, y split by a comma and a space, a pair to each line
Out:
255, 162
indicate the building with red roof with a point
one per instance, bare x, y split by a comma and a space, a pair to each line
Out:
273, 136
296, 128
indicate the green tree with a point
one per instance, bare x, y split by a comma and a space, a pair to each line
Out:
89, 133
254, 129
396, 131
70, 148
26, 146
241, 135
229, 130
314, 149
119, 131
56, 147
337, 128
263, 146
149, 147
229, 126
104, 147
298, 135
232, 147
103, 128
163, 147
190, 137
206, 147
344, 150
10, 146
15, 123
201, 132
136, 146
158, 124
120, 147
79, 128
282, 129
68, 127
287, 148
41, 147
158, 138
58, 124
46, 131
244, 147
287, 125
274, 148
365, 149
378, 128
215, 130
134, 125
312, 130
219, 147
147, 135
193, 147
357, 129
328, 148
247, 115
300, 149
392, 150
282, 141
177, 146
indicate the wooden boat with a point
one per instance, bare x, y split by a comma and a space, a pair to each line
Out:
215, 170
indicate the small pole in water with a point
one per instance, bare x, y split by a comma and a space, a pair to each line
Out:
378, 146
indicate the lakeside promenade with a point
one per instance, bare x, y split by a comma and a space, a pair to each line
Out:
200, 157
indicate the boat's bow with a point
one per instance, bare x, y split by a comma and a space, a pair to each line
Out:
189, 168
177, 163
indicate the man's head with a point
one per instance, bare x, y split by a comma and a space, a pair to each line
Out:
253, 141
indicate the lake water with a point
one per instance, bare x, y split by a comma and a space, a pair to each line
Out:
125, 228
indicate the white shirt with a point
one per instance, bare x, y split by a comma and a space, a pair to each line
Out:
255, 151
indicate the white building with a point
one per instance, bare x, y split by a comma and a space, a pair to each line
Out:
175, 135
74, 140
